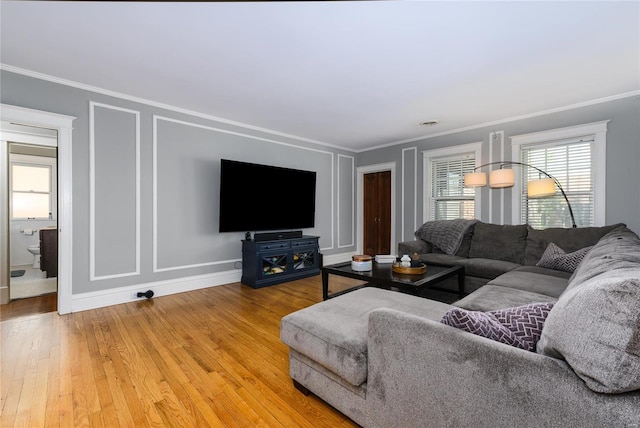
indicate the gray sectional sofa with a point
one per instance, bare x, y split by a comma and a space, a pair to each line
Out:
385, 359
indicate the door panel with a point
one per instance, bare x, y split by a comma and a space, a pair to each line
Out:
377, 213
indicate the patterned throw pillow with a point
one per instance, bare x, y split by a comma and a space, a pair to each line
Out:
554, 257
520, 326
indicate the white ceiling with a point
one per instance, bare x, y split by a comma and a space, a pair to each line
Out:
350, 74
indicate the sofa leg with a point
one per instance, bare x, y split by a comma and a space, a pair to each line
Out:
301, 387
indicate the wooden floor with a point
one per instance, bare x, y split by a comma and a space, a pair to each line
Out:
206, 358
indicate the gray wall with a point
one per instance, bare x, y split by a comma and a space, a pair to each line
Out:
132, 149
140, 237
622, 171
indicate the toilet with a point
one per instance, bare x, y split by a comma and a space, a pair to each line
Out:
35, 250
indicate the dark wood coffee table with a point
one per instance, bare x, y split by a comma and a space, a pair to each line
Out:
383, 276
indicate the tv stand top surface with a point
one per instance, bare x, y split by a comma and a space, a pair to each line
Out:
274, 236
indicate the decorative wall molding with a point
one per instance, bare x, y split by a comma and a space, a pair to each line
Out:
351, 178
414, 153
92, 192
158, 118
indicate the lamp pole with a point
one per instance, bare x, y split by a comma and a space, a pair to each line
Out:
555, 180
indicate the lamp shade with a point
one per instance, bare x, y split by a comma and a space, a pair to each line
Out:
501, 178
475, 179
541, 188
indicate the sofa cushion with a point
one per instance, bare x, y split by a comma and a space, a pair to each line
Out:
334, 332
494, 297
596, 330
477, 267
534, 279
499, 242
555, 257
618, 249
595, 325
569, 239
519, 326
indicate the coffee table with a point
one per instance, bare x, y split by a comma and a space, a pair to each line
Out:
382, 276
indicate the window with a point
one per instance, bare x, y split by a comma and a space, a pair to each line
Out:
578, 165
446, 198
31, 188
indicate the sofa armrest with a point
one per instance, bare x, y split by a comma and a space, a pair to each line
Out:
424, 373
418, 246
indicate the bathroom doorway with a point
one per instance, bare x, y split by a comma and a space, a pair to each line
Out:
32, 214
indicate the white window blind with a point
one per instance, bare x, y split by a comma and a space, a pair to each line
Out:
449, 198
572, 164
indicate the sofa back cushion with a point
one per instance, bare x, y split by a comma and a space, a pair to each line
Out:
595, 324
569, 239
500, 242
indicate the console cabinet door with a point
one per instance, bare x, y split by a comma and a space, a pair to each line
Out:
377, 213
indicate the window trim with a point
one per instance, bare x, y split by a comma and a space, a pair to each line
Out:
595, 130
34, 161
428, 155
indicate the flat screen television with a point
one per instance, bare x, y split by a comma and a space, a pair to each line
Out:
256, 197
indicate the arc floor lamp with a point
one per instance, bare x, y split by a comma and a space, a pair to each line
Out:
504, 177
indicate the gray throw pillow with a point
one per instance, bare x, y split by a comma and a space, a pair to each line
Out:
520, 326
555, 257
595, 328
499, 242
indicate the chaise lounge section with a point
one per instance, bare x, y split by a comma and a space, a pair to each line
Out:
385, 358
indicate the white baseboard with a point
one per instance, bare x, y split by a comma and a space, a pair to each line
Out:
337, 258
114, 296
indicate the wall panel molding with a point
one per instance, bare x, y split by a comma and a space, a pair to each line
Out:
409, 154
157, 119
93, 142
349, 181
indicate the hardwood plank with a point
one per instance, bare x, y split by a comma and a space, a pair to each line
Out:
210, 357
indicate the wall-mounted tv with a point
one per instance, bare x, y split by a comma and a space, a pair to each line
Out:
256, 197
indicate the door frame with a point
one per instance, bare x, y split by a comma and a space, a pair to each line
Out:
62, 124
361, 171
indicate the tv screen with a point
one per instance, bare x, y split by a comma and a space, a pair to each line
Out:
257, 197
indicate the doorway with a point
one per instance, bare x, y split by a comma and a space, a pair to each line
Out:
33, 213
386, 226
377, 213
14, 116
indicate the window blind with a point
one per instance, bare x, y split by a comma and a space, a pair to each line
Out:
571, 163
449, 198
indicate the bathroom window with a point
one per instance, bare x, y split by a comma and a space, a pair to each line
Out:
31, 190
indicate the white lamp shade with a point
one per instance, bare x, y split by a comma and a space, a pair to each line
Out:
475, 179
501, 178
541, 188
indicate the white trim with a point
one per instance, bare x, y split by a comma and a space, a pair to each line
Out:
63, 124
595, 130
92, 193
415, 191
511, 119
352, 161
427, 155
361, 171
41, 162
502, 191
65, 82
155, 120
115, 296
98, 90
